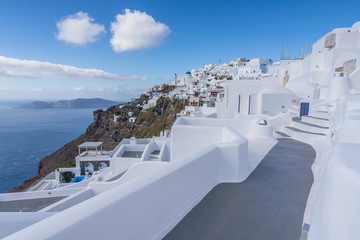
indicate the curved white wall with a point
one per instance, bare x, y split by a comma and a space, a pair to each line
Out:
156, 201
337, 211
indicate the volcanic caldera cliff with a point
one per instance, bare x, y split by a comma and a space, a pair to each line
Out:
148, 123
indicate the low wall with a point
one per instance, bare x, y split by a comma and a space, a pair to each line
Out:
187, 139
233, 158
153, 195
148, 150
119, 165
164, 155
280, 120
355, 78
240, 125
233, 148
337, 210
156, 201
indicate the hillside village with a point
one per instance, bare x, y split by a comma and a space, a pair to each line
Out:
203, 88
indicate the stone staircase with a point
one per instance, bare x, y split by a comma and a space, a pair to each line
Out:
306, 128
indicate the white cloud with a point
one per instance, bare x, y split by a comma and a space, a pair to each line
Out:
17, 68
78, 89
136, 30
78, 29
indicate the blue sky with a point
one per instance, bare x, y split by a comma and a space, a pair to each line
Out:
192, 33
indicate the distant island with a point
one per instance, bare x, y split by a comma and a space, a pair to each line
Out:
74, 103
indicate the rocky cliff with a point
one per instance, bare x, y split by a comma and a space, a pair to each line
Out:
149, 123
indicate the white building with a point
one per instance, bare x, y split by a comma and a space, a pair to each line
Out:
337, 51
257, 66
132, 119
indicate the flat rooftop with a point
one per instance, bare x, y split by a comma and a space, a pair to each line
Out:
90, 145
270, 204
132, 154
93, 154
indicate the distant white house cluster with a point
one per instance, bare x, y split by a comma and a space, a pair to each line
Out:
205, 88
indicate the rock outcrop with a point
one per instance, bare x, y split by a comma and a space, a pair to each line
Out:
149, 123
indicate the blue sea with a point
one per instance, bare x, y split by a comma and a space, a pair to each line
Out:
27, 135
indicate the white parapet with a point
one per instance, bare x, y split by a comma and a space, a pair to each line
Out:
336, 213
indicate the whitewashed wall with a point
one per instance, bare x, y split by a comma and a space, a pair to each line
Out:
336, 211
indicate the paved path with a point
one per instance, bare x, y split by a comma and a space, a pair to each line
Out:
270, 204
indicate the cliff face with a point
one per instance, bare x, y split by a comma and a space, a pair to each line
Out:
110, 132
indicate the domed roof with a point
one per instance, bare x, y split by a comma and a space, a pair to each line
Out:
188, 72
356, 26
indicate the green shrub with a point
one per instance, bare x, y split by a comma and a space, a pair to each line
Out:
68, 164
67, 176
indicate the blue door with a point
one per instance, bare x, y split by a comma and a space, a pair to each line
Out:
304, 109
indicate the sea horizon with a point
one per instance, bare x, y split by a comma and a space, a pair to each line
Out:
28, 135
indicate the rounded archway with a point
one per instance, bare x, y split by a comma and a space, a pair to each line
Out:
89, 168
261, 127
102, 165
262, 121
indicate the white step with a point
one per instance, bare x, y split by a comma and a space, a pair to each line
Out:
288, 131
280, 134
300, 135
308, 128
316, 121
320, 114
